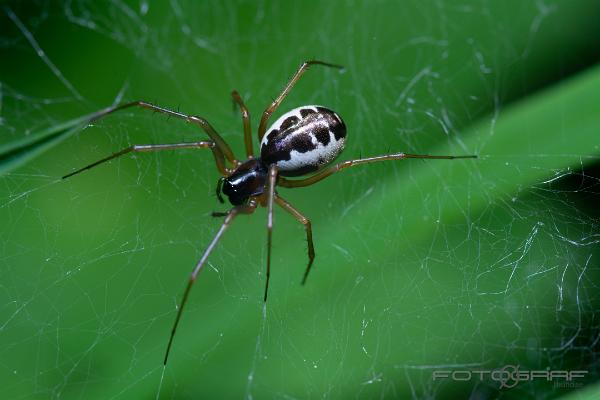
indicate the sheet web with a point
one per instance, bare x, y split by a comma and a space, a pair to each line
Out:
93, 268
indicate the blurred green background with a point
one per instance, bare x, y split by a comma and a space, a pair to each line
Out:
421, 265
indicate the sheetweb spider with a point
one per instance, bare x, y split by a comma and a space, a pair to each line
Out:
302, 141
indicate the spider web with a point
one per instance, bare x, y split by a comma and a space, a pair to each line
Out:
413, 274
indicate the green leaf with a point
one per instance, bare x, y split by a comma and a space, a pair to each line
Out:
515, 154
419, 264
591, 392
21, 151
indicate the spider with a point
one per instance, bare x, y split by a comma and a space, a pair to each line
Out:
302, 141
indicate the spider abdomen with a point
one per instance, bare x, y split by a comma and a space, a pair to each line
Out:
303, 140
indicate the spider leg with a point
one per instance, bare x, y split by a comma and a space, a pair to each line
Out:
304, 221
201, 122
146, 148
218, 190
350, 163
262, 127
270, 197
246, 121
244, 209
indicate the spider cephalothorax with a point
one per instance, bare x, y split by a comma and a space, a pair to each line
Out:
302, 141
247, 180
